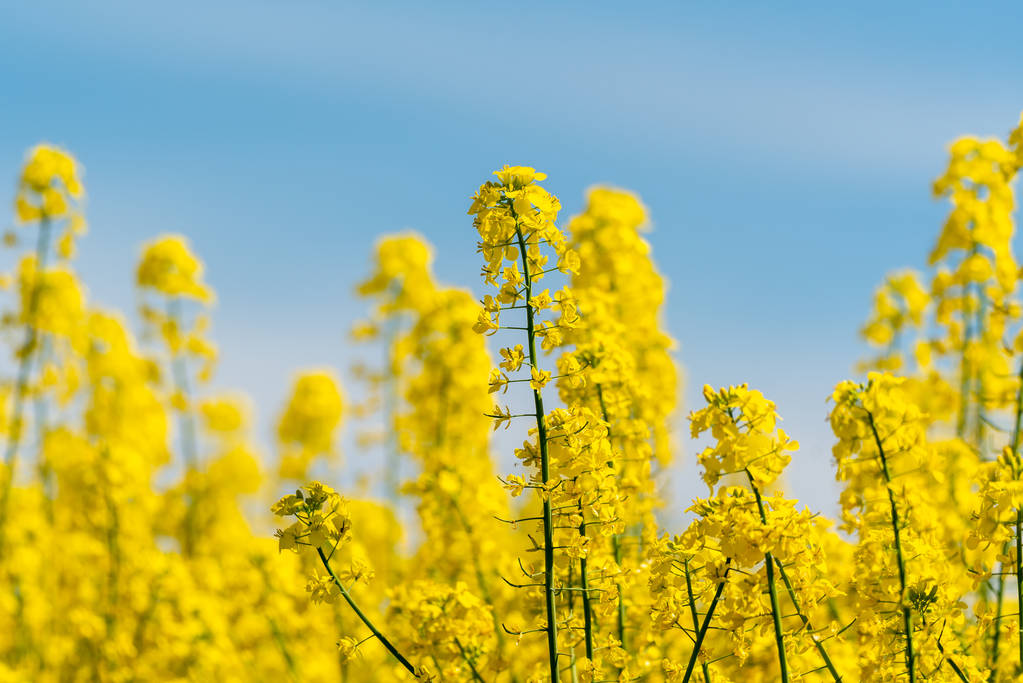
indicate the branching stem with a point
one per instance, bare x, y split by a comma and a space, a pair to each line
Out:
365, 620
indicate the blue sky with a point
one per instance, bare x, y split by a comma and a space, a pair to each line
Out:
785, 151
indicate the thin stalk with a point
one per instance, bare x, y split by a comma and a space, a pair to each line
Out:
187, 431
616, 543
342, 662
114, 570
392, 476
1000, 592
696, 617
979, 379
965, 373
907, 615
275, 629
472, 667
772, 589
706, 625
616, 540
1019, 527
948, 660
584, 580
470, 533
955, 667
1019, 584
573, 672
806, 622
365, 620
996, 640
27, 352
481, 581
545, 473
43, 465
139, 637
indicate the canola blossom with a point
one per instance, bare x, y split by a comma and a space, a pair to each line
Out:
140, 540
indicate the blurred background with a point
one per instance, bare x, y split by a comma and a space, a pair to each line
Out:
785, 152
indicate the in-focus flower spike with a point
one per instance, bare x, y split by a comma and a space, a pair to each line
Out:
514, 218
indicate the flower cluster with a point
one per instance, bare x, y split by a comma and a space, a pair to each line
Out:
308, 426
747, 440
129, 549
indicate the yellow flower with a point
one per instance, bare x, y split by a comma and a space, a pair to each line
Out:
513, 358
169, 267
347, 648
498, 381
538, 378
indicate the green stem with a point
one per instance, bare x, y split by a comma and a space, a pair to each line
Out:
1019, 584
365, 620
706, 625
472, 667
696, 617
584, 579
772, 589
282, 645
27, 353
965, 374
616, 543
996, 641
275, 629
907, 616
616, 540
573, 673
43, 464
154, 601
481, 581
1019, 529
955, 667
339, 622
545, 473
114, 570
187, 432
948, 660
392, 474
806, 623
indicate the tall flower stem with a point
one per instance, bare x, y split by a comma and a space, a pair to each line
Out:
392, 471
806, 623
472, 667
1017, 426
545, 473
616, 540
188, 436
696, 616
1000, 590
275, 630
702, 633
1019, 584
27, 352
585, 583
907, 615
365, 620
481, 581
772, 589
965, 371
